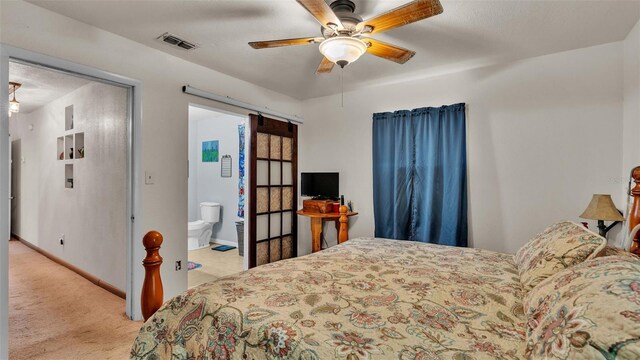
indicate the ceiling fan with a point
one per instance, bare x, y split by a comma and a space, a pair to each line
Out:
345, 36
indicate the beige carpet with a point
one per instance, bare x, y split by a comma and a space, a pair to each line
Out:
56, 314
215, 264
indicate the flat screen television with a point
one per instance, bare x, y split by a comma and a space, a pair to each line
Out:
320, 185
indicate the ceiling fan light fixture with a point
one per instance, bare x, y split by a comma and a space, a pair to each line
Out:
343, 50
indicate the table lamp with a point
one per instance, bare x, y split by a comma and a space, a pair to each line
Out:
602, 208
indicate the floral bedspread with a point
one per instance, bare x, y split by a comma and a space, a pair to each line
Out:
364, 299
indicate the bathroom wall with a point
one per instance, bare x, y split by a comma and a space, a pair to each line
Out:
92, 214
205, 181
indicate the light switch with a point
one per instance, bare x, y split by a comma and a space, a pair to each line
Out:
149, 177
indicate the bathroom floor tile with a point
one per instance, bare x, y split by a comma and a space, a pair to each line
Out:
215, 264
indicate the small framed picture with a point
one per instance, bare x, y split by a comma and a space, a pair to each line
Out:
210, 151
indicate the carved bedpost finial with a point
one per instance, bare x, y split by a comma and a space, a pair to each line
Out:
635, 174
152, 292
344, 224
634, 213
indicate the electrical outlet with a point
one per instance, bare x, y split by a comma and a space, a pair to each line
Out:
178, 265
62, 239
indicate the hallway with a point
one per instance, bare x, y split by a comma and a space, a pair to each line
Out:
55, 313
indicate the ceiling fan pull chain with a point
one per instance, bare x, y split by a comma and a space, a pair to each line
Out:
342, 85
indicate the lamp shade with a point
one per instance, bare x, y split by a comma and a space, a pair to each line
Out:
602, 207
343, 49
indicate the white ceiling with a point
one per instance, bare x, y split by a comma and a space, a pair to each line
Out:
468, 34
41, 86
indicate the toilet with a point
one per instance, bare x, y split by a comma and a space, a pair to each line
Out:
200, 230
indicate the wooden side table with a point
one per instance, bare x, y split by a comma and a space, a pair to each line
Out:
317, 219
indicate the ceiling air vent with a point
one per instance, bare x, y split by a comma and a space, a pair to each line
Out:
176, 41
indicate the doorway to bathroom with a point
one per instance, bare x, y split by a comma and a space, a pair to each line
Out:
215, 238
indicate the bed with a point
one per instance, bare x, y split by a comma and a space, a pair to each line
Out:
564, 295
362, 298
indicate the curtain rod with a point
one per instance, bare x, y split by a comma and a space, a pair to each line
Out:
187, 89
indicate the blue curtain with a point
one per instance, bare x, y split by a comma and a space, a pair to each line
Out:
420, 175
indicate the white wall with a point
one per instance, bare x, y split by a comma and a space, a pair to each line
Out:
92, 215
164, 110
543, 135
631, 116
205, 178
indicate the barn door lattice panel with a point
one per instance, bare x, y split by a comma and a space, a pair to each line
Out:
274, 188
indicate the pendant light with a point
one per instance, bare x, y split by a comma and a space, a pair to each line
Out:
14, 105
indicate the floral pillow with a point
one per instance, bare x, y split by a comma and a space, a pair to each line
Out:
560, 246
615, 251
590, 311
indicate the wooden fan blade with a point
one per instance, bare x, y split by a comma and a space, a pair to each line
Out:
325, 66
403, 15
283, 42
322, 12
388, 51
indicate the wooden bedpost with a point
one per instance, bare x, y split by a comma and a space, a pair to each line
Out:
152, 292
634, 213
343, 234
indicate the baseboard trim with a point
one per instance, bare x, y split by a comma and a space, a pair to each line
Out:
225, 242
110, 288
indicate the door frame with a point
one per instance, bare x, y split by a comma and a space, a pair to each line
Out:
247, 170
134, 194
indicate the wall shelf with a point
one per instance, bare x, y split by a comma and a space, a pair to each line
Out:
79, 146
68, 176
68, 117
60, 153
70, 146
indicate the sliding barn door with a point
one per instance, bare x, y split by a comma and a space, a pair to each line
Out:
273, 181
